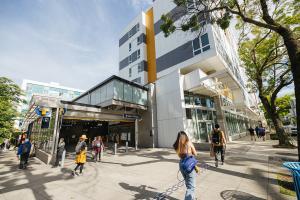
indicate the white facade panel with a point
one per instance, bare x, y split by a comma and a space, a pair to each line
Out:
170, 115
161, 7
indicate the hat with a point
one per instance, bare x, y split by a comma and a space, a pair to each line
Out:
83, 137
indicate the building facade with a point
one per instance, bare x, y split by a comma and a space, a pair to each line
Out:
198, 79
52, 89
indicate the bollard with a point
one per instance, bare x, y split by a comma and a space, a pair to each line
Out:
126, 150
63, 159
115, 148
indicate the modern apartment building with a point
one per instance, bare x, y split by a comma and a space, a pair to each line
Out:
198, 79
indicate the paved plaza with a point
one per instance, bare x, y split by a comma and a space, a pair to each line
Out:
249, 173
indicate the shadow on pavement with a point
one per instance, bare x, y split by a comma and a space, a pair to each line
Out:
35, 182
234, 194
142, 191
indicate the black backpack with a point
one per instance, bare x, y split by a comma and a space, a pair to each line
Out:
216, 138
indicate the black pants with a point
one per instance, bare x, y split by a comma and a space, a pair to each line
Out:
219, 150
79, 165
23, 161
58, 158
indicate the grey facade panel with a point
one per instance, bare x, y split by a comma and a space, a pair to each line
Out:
178, 55
123, 39
129, 34
124, 63
176, 13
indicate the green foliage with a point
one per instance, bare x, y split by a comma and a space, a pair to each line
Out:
283, 105
168, 26
9, 98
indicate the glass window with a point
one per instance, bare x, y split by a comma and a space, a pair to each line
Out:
103, 93
137, 95
187, 99
204, 114
188, 113
138, 54
204, 40
137, 27
118, 90
203, 101
129, 59
144, 97
130, 72
196, 46
209, 115
190, 5
130, 46
140, 67
199, 114
127, 92
197, 101
139, 40
109, 90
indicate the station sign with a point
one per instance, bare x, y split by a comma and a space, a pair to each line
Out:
131, 116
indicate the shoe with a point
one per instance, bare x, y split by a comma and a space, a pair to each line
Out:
223, 163
74, 173
80, 174
216, 163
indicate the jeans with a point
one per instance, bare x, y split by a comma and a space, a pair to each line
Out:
190, 183
23, 161
221, 150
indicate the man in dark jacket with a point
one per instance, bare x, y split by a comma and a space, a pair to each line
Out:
23, 153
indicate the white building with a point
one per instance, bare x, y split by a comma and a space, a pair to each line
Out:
198, 79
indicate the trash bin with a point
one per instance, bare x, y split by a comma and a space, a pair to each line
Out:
294, 167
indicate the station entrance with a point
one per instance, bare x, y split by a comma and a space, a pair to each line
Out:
110, 132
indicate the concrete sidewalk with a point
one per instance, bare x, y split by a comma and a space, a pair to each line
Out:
249, 172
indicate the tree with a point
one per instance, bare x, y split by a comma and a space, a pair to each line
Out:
283, 105
267, 67
282, 17
9, 99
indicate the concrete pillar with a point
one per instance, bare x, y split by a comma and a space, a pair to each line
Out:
136, 127
221, 116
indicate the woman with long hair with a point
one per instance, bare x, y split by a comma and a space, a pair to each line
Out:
184, 148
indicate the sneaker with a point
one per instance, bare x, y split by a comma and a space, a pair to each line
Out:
216, 163
222, 162
80, 174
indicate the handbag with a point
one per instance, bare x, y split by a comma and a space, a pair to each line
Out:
188, 164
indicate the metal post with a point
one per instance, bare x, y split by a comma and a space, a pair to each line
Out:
55, 132
126, 150
115, 148
63, 159
136, 133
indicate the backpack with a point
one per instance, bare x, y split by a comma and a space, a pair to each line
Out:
188, 164
216, 138
78, 148
25, 149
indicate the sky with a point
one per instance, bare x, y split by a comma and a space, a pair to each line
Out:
71, 42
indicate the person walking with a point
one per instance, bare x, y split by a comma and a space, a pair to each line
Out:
184, 148
257, 131
60, 151
23, 153
252, 135
262, 131
218, 142
98, 148
80, 149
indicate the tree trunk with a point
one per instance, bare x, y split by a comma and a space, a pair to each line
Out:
273, 115
293, 48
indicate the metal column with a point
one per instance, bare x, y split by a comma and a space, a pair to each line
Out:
136, 133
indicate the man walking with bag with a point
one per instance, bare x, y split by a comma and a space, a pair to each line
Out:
218, 142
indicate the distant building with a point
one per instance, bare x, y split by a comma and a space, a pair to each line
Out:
51, 89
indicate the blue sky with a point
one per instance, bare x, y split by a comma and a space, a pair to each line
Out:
72, 42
